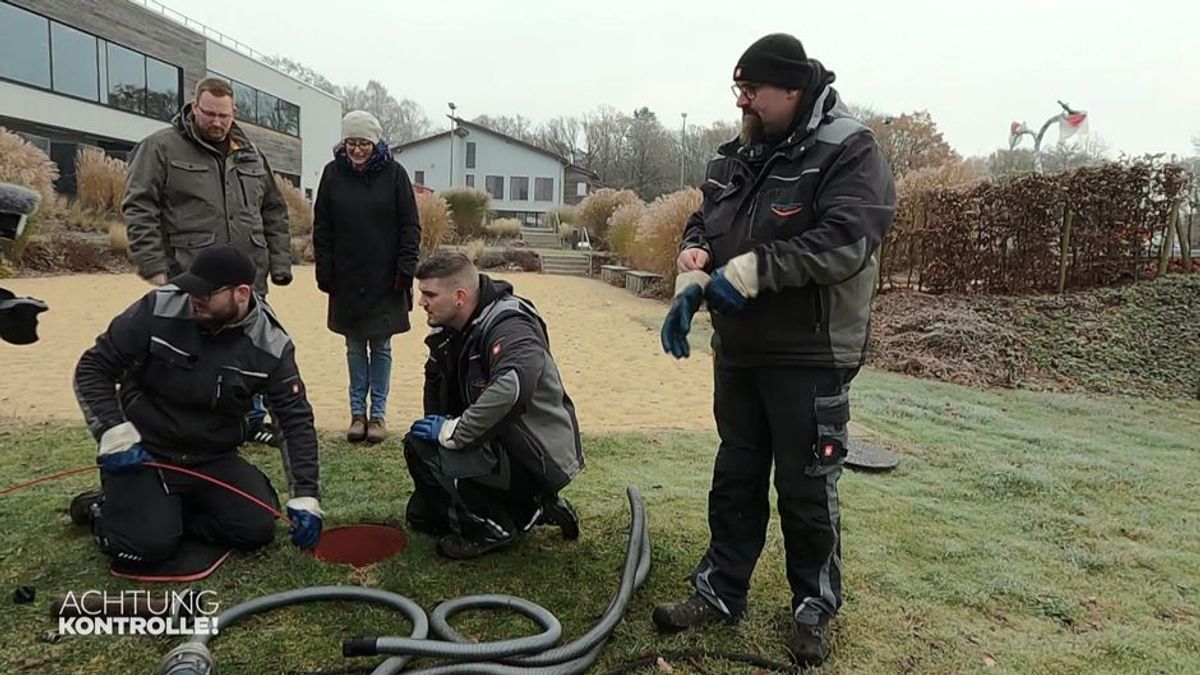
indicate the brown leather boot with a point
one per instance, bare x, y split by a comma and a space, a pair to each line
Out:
358, 429
376, 430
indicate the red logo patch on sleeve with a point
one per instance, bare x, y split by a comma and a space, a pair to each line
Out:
496, 349
297, 388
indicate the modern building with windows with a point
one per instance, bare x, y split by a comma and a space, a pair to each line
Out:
525, 182
107, 73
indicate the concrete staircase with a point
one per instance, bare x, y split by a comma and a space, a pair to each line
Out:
566, 262
540, 238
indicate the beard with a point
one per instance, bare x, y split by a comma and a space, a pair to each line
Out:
752, 129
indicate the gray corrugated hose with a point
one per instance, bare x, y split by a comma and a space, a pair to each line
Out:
532, 654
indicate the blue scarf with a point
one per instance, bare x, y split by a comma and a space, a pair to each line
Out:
379, 158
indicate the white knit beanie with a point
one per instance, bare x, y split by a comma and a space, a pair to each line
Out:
361, 124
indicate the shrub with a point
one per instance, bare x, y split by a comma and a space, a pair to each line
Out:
564, 215
300, 213
436, 226
474, 250
99, 181
24, 164
622, 229
504, 228
302, 250
660, 232
118, 238
468, 208
598, 207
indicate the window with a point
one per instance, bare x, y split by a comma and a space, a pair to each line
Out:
24, 46
470, 180
581, 189
543, 189
263, 109
470, 155
267, 110
419, 177
519, 186
246, 99
52, 55
162, 89
126, 79
289, 118
73, 54
494, 186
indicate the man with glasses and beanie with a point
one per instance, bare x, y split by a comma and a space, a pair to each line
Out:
201, 182
783, 251
171, 380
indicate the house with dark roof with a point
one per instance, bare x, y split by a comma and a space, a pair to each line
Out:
525, 182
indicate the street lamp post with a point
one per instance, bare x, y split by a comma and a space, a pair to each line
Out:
1074, 119
682, 147
450, 168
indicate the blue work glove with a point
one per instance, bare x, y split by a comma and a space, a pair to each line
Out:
689, 293
121, 449
125, 460
733, 284
307, 518
428, 427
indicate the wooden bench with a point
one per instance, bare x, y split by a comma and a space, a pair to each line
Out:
638, 282
613, 274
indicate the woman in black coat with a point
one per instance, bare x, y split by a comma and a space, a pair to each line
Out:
366, 237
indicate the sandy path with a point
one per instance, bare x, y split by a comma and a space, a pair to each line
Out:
610, 357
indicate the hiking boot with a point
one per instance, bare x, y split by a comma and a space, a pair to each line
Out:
809, 643
84, 507
689, 613
458, 547
358, 429
376, 430
562, 514
266, 433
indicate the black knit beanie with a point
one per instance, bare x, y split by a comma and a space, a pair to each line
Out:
777, 59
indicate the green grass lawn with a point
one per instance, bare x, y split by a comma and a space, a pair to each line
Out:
1024, 532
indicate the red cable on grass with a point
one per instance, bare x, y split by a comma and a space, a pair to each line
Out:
158, 465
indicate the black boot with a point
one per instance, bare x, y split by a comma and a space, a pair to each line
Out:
689, 613
84, 507
809, 643
458, 547
562, 514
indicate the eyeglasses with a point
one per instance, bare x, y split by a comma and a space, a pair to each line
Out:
216, 115
207, 297
359, 143
747, 89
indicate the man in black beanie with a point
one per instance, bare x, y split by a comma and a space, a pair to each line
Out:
784, 252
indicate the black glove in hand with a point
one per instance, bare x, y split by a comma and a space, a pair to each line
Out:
281, 278
689, 293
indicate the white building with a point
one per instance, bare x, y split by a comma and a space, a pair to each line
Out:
524, 181
110, 72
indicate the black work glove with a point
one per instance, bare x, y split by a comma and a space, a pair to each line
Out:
281, 278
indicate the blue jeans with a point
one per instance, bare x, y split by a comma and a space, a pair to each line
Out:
371, 371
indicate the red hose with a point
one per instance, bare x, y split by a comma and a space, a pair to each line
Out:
158, 465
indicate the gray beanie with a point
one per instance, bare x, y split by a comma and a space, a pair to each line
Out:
361, 124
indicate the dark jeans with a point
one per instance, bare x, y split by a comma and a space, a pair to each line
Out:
767, 415
499, 504
148, 511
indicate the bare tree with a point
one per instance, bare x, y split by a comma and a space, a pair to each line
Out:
1064, 155
563, 135
304, 73
912, 141
402, 120
517, 126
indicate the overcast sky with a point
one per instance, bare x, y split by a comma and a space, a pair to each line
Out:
975, 65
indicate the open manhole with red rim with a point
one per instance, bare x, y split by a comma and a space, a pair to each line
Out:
360, 545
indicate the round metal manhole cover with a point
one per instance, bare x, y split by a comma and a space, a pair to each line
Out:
868, 456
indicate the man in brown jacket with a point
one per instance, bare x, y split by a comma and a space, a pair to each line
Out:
202, 182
